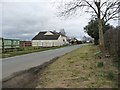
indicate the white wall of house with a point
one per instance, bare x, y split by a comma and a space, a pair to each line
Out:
49, 43
35, 42
45, 43
63, 40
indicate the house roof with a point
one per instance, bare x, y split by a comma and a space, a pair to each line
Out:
41, 36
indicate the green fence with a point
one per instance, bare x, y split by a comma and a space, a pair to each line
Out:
10, 44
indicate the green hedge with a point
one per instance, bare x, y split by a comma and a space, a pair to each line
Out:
112, 43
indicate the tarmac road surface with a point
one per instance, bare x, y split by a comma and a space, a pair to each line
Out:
23, 62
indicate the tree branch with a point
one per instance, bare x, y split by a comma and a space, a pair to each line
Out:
91, 7
111, 5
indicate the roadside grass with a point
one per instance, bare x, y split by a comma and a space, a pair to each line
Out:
26, 50
80, 69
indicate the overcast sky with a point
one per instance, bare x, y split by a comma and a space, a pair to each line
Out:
23, 19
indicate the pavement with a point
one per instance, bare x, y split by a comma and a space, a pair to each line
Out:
17, 63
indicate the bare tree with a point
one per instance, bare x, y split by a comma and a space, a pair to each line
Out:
62, 31
102, 10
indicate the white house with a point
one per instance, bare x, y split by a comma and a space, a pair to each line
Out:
49, 39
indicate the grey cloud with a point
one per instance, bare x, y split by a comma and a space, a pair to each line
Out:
17, 21
23, 20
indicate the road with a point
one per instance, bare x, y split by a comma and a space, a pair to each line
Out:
23, 62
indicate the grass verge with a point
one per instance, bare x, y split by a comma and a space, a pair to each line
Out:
80, 69
26, 50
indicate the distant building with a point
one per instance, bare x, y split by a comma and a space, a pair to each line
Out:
49, 39
25, 43
87, 39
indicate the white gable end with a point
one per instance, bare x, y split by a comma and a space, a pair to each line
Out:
48, 33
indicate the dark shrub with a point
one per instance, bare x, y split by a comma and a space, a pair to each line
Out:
100, 64
110, 75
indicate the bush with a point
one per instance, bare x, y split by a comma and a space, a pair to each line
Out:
100, 64
98, 54
110, 75
112, 43
20, 49
72, 61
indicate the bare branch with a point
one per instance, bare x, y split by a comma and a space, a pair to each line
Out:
110, 5
112, 16
103, 10
72, 7
91, 6
103, 4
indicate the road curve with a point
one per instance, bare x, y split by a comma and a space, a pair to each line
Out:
23, 62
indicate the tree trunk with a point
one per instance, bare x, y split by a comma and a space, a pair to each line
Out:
101, 37
3, 49
96, 42
100, 27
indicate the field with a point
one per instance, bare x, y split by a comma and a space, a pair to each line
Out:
80, 69
26, 50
